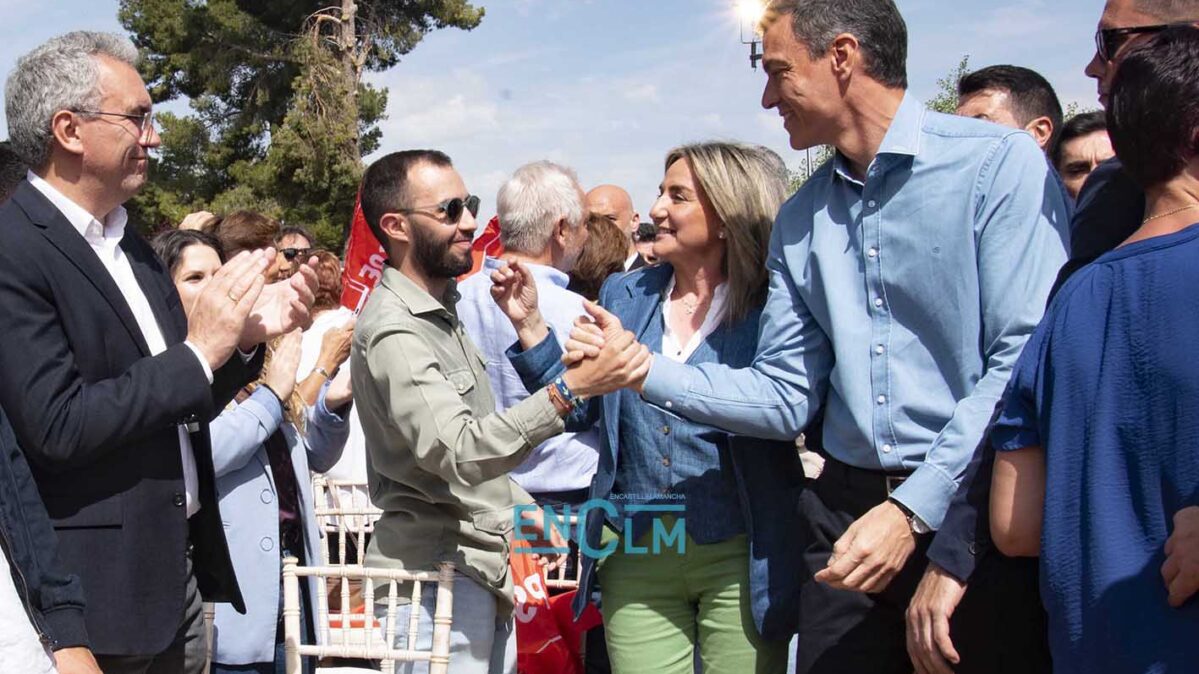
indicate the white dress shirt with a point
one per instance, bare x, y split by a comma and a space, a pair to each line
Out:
21, 650
105, 240
670, 341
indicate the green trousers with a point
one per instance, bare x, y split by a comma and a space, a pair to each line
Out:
658, 606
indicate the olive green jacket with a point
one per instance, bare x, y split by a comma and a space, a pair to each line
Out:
438, 454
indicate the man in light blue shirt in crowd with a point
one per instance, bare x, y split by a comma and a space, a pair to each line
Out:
543, 225
905, 277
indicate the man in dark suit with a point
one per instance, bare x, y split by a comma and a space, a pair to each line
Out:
108, 387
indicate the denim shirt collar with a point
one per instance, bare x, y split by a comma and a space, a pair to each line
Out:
901, 140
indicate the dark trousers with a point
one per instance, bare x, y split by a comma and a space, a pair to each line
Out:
187, 654
851, 632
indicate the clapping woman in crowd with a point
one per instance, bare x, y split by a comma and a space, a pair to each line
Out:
702, 304
263, 448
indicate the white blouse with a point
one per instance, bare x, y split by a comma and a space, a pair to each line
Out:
670, 342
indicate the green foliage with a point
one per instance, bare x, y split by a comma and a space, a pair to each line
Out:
1073, 109
280, 117
946, 100
809, 163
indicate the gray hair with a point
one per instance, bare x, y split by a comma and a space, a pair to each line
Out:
61, 74
532, 201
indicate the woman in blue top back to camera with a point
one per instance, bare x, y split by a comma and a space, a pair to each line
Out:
263, 448
1097, 468
731, 590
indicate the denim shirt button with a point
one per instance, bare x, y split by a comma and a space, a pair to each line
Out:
666, 430
666, 461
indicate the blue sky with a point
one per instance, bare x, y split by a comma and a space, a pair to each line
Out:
608, 86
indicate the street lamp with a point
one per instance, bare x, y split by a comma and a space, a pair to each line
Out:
749, 13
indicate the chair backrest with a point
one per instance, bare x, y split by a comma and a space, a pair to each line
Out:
344, 512
352, 635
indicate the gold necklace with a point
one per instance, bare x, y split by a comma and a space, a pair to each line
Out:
1168, 213
690, 304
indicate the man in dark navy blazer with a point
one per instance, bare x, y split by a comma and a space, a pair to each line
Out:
108, 387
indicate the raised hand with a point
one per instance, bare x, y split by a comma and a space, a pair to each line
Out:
335, 346
218, 318
282, 307
515, 292
280, 375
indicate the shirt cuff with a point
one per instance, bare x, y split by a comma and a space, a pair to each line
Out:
203, 361
321, 409
247, 357
666, 383
927, 493
265, 406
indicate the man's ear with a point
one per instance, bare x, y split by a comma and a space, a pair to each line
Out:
1041, 129
561, 232
396, 227
846, 54
64, 125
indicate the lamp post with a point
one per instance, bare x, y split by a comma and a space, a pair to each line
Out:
749, 14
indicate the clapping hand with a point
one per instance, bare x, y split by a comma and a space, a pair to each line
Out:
282, 306
515, 292
218, 318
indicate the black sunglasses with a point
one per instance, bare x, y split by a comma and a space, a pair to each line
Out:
646, 231
290, 254
1108, 41
453, 208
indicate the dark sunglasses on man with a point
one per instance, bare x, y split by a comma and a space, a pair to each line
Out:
1108, 41
290, 254
452, 208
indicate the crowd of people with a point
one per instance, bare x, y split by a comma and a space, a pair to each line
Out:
928, 414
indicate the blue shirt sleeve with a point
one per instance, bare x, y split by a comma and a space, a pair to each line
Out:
1023, 216
1018, 426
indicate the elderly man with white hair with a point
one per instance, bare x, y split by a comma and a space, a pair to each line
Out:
543, 226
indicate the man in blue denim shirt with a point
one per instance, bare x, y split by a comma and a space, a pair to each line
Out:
906, 276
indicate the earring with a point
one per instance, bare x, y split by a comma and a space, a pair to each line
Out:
720, 235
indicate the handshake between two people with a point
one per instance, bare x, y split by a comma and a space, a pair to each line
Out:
600, 356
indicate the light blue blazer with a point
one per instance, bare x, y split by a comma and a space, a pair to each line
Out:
250, 513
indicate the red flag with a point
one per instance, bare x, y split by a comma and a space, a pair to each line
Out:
486, 244
364, 262
547, 638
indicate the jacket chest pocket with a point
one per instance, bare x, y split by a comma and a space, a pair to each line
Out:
462, 380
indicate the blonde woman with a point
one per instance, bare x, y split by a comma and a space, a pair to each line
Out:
732, 590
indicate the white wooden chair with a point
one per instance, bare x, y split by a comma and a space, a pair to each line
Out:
344, 512
345, 635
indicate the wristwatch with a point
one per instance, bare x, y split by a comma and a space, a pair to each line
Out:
916, 524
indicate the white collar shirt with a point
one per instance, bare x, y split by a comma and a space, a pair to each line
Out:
671, 348
105, 240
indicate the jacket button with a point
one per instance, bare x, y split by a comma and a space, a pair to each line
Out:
267, 545
666, 430
179, 500
266, 496
973, 548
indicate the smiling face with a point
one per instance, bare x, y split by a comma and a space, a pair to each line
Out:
687, 224
440, 249
114, 150
197, 265
805, 91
